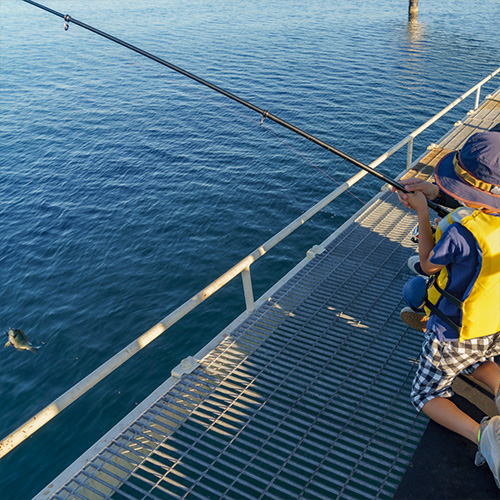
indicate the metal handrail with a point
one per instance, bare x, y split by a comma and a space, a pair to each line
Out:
409, 138
242, 267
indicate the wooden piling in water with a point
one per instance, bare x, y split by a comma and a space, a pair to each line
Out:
413, 8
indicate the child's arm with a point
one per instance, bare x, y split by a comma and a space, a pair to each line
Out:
426, 243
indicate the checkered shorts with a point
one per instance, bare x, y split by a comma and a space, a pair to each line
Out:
442, 362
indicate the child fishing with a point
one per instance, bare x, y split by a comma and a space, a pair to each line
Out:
458, 306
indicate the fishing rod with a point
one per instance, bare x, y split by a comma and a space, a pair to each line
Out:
265, 113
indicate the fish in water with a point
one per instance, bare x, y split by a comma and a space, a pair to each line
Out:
18, 340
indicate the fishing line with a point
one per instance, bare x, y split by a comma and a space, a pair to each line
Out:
264, 113
253, 121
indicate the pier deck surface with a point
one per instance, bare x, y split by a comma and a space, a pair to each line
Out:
308, 397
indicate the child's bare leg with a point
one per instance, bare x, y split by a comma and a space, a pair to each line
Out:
488, 373
445, 412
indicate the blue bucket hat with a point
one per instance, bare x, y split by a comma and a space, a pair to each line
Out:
473, 173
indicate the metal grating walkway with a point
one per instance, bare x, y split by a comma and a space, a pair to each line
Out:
307, 398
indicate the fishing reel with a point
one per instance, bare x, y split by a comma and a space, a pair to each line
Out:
414, 233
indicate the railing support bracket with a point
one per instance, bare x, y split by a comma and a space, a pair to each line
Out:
187, 365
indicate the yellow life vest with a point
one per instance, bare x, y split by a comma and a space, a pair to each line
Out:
480, 311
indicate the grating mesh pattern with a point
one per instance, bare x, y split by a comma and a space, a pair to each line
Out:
308, 398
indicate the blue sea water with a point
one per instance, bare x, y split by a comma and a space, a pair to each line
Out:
126, 188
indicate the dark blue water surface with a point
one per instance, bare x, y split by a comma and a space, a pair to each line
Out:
126, 188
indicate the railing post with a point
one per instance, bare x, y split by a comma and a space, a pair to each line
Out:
478, 93
409, 154
247, 289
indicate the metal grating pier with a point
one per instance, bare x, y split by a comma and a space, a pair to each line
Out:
306, 398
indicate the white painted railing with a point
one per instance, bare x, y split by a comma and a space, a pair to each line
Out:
242, 267
409, 138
